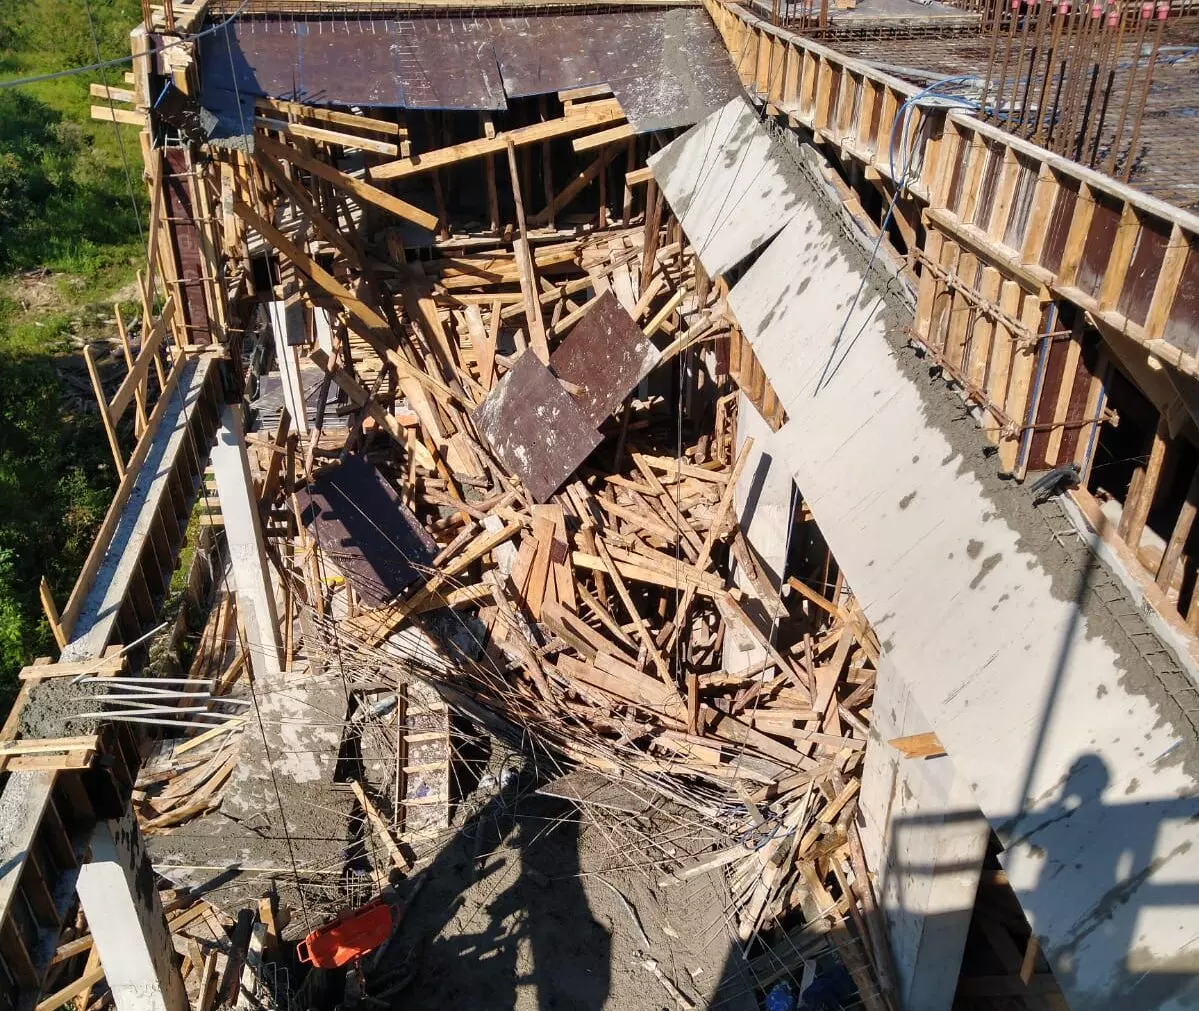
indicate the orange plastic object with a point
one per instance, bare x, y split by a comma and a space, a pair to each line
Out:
350, 936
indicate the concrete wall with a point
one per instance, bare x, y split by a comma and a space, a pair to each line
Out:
763, 504
925, 840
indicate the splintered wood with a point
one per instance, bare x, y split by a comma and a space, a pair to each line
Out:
592, 583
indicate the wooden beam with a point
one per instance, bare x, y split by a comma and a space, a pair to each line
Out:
355, 187
519, 137
109, 114
281, 107
110, 94
1140, 500
615, 135
56, 1000
51, 612
141, 365
576, 186
105, 413
1180, 534
382, 830
528, 274
318, 133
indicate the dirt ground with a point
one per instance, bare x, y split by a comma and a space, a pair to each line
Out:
534, 905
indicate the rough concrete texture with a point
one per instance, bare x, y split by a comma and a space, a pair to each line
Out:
280, 810
52, 709
525, 908
1016, 642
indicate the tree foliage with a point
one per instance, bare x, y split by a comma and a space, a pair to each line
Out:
65, 206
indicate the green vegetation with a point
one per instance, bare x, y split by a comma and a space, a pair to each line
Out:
68, 241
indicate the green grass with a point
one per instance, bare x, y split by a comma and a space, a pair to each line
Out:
65, 211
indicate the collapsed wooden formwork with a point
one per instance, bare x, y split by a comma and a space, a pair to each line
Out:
596, 619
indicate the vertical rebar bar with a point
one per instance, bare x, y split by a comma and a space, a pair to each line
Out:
1114, 32
1060, 14
1014, 15
1139, 40
1044, 16
1163, 12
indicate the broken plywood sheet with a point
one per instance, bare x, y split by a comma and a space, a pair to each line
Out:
606, 354
537, 429
730, 183
366, 531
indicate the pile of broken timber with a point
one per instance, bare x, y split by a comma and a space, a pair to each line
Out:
609, 604
185, 776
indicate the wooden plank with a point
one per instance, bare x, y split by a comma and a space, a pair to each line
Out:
110, 114
105, 415
111, 94
919, 745
614, 135
329, 116
519, 137
141, 365
51, 612
355, 187
1180, 534
1136, 507
56, 1000
381, 828
317, 133
524, 264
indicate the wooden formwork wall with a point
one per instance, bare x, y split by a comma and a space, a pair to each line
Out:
1010, 232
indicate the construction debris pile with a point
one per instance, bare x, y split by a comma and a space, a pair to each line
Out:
503, 475
559, 537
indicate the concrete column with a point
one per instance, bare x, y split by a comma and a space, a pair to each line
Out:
116, 889
243, 532
287, 324
924, 840
763, 503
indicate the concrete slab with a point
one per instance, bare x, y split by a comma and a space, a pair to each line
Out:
1072, 741
925, 840
730, 184
97, 618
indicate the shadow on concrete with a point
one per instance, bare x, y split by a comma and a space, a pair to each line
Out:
500, 919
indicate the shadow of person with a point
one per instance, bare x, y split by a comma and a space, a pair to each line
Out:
1109, 874
501, 920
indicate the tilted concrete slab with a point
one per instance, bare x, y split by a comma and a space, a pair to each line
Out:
98, 616
1078, 754
730, 184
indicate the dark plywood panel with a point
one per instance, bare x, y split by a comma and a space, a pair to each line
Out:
1182, 327
538, 55
1105, 224
536, 429
347, 63
447, 63
607, 355
366, 531
434, 63
1143, 268
1058, 229
668, 68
